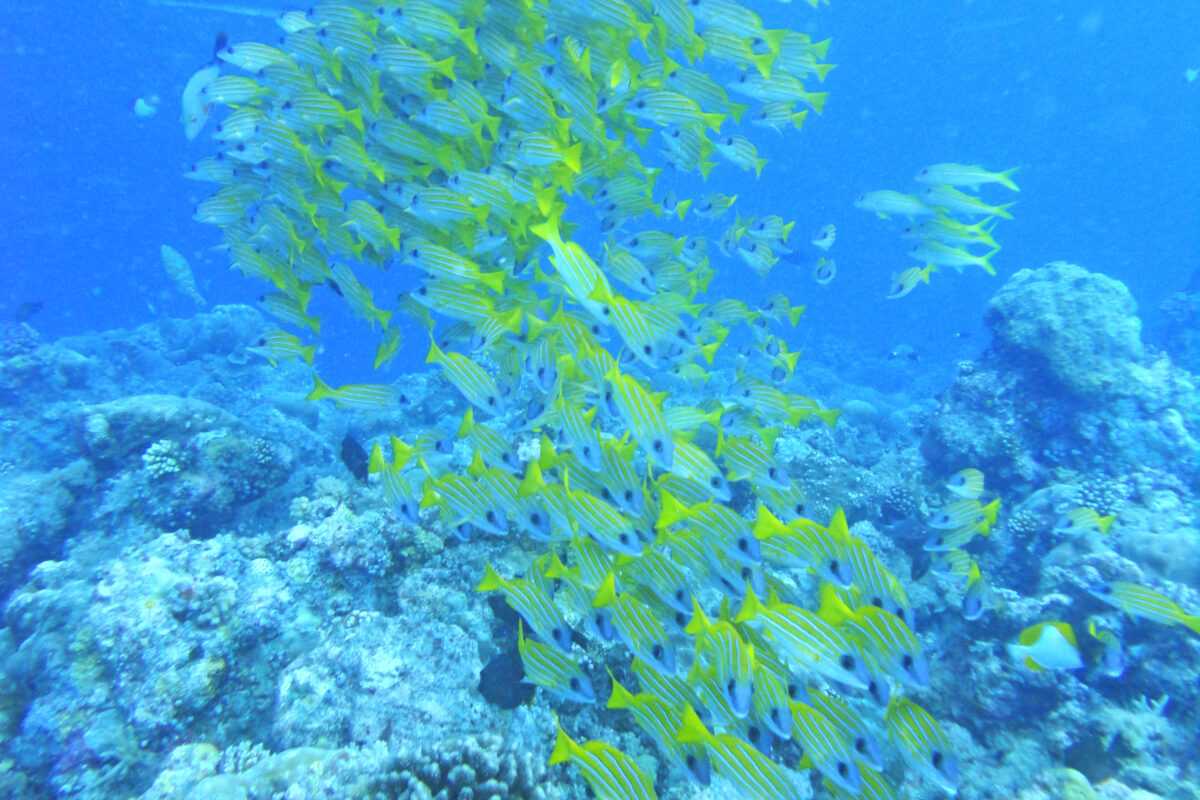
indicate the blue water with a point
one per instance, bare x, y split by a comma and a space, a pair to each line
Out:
1088, 98
205, 579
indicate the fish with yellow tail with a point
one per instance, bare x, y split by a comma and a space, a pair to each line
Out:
1047, 645
611, 774
905, 281
1140, 601
469, 378
737, 761
922, 743
277, 346
1080, 521
971, 176
1112, 656
657, 717
553, 670
357, 396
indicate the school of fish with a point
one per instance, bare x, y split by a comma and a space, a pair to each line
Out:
427, 158
944, 239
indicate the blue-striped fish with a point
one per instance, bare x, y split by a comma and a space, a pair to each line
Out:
639, 628
921, 742
1140, 601
825, 747
642, 412
611, 774
752, 773
469, 378
722, 652
659, 719
966, 483
532, 603
357, 396
553, 670
803, 639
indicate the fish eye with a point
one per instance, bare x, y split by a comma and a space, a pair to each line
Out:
715, 483
771, 473
573, 683
793, 691
799, 509
491, 516
775, 715
633, 242
261, 342
729, 687
647, 349
847, 661
691, 760
833, 565
657, 651
842, 769
628, 495
658, 445
907, 661
491, 401
900, 615
860, 745
753, 734
742, 544
556, 634
535, 518
679, 595
936, 759
623, 538
877, 602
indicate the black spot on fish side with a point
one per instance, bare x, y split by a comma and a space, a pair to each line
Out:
355, 458
500, 681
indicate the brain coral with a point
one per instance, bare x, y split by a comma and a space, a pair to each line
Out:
1079, 327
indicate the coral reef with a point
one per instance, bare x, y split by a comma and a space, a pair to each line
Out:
1066, 381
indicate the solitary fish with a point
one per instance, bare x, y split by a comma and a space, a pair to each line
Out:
1047, 645
904, 282
179, 270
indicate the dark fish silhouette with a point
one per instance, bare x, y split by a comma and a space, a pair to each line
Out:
27, 310
355, 458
